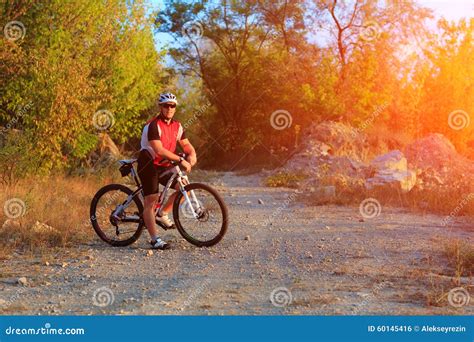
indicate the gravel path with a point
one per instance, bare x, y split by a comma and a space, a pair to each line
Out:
321, 260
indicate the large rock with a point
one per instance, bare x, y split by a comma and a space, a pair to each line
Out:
107, 146
342, 139
10, 225
331, 155
393, 160
433, 151
439, 164
328, 143
391, 170
43, 228
105, 154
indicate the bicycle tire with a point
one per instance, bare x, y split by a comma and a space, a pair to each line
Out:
222, 206
93, 217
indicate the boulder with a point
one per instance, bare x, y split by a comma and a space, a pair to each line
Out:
391, 170
22, 281
10, 225
393, 160
105, 154
439, 164
332, 144
433, 151
107, 146
343, 139
43, 228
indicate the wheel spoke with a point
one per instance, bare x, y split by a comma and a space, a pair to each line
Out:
107, 224
211, 220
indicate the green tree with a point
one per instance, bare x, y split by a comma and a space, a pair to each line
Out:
446, 99
75, 59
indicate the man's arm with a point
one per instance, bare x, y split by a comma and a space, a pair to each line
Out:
189, 150
157, 146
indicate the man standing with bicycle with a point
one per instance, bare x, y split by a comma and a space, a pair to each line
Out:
158, 146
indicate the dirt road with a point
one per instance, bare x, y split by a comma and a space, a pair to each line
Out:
278, 257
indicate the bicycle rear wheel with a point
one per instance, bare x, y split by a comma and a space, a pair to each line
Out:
126, 227
210, 225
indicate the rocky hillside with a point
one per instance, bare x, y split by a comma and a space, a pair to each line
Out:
337, 158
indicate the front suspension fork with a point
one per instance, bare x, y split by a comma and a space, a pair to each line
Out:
189, 201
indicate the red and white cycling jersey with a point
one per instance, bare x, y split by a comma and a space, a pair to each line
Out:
168, 133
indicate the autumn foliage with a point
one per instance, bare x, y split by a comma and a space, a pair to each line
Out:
383, 67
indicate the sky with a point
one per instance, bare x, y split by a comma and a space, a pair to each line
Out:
450, 10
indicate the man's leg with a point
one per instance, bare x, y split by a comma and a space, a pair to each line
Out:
149, 215
149, 179
149, 218
169, 203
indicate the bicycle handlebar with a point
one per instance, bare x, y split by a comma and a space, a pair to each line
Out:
175, 162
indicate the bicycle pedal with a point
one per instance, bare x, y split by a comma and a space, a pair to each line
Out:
165, 227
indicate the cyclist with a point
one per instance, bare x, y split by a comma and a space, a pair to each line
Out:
158, 142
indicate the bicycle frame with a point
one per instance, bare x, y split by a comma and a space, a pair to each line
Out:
182, 181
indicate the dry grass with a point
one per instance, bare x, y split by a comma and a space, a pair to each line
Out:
59, 205
460, 255
61, 202
453, 267
458, 201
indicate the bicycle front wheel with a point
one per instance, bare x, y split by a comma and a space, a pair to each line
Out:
202, 217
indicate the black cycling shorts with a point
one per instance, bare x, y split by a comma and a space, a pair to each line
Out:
149, 174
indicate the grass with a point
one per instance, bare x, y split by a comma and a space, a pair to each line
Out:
58, 205
460, 255
451, 202
453, 267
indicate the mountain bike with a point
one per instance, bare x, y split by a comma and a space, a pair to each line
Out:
200, 214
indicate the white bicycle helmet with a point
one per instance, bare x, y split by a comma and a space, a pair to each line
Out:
167, 97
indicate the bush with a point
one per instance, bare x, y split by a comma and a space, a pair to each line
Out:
17, 157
